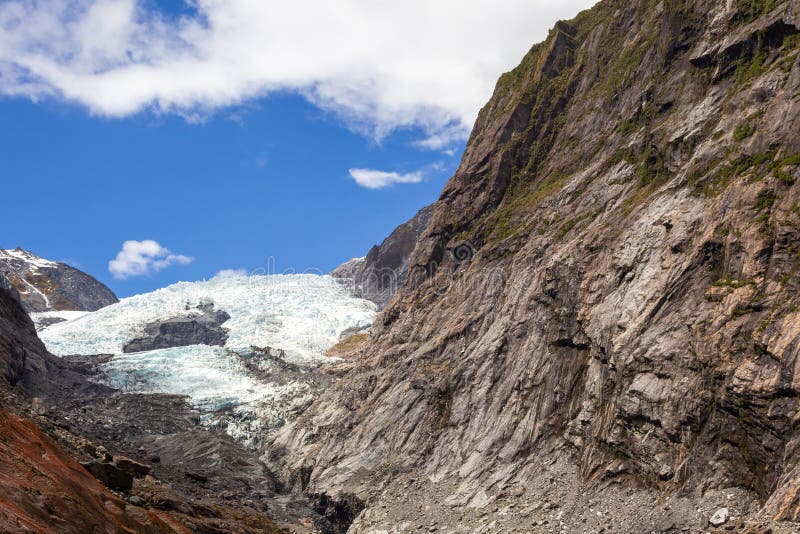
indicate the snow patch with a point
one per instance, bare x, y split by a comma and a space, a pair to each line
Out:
32, 259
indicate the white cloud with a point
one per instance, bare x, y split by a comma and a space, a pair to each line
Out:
231, 273
138, 258
373, 179
379, 65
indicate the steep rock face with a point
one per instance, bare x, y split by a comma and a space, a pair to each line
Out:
45, 285
5, 284
384, 270
20, 348
611, 276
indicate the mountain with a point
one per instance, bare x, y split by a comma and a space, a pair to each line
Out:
379, 274
600, 326
44, 285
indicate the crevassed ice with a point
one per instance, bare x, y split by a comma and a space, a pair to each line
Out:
301, 314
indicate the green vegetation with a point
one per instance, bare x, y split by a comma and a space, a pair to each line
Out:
733, 283
741, 311
565, 228
741, 166
651, 169
743, 131
750, 10
502, 223
764, 201
751, 68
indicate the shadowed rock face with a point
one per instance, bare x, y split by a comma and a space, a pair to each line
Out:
20, 348
629, 311
44, 285
203, 329
384, 269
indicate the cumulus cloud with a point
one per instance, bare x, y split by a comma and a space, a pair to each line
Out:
374, 179
231, 273
378, 65
138, 258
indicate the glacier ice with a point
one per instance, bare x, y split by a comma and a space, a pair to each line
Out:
301, 314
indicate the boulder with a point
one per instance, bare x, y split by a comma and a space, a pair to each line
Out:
110, 475
199, 329
134, 468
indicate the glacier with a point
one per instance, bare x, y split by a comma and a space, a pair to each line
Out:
240, 385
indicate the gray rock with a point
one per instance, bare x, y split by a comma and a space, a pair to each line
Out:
719, 518
202, 329
604, 211
44, 322
39, 406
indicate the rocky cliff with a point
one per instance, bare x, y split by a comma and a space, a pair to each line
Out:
601, 324
384, 270
20, 348
44, 285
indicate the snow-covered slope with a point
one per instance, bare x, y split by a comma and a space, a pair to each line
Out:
297, 316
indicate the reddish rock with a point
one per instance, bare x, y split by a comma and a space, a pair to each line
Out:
43, 489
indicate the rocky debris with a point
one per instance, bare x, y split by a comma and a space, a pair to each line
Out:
384, 269
350, 347
39, 406
203, 328
607, 187
62, 496
719, 518
557, 500
197, 477
352, 331
43, 285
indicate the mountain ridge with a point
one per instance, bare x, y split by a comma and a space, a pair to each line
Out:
383, 271
625, 316
45, 285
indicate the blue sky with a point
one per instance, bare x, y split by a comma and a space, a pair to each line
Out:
231, 132
273, 182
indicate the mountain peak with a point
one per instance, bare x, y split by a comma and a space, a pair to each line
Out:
46, 285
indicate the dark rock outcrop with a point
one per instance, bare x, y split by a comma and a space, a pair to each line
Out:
384, 270
20, 347
44, 285
110, 475
201, 329
604, 306
5, 284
